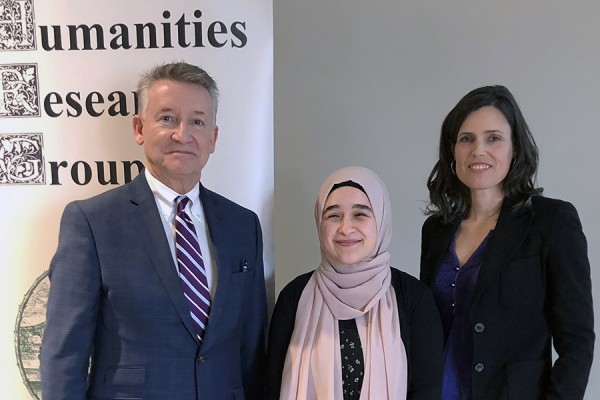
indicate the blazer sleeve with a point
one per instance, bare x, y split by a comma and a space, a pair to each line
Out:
570, 305
72, 309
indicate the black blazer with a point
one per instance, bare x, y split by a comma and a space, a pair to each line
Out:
533, 291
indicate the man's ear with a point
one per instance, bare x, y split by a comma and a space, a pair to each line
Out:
138, 129
215, 136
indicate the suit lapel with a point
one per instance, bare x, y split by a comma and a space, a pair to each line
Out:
214, 219
147, 221
213, 215
509, 234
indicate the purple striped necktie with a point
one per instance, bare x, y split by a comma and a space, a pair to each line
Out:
191, 267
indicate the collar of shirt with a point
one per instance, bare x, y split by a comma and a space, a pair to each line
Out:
165, 198
165, 201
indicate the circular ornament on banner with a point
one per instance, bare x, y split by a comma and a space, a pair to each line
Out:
29, 329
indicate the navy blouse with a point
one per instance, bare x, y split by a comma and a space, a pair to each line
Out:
453, 292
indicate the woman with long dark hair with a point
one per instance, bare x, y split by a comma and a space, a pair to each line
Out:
508, 268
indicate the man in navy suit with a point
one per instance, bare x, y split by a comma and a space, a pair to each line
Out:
118, 324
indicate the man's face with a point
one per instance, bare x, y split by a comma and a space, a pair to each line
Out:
178, 132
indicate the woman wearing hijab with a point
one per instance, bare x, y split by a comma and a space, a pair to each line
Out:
508, 267
354, 328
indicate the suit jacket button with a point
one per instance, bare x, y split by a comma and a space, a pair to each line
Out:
478, 367
479, 327
200, 360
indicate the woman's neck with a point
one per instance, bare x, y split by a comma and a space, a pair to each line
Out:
485, 205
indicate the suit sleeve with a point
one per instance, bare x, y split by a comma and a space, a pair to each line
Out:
75, 284
255, 326
570, 305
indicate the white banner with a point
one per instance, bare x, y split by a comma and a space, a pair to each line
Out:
68, 72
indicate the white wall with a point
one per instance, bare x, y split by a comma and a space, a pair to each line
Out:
369, 83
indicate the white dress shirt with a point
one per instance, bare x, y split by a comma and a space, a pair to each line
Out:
165, 200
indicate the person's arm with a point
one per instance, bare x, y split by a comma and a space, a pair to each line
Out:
280, 332
426, 347
570, 306
72, 310
424, 251
255, 326
425, 271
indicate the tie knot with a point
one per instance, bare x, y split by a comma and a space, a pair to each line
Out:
182, 202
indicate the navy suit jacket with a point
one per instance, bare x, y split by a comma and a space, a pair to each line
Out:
115, 296
533, 291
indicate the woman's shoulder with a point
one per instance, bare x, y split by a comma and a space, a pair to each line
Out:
436, 223
398, 275
432, 220
295, 287
413, 296
548, 208
406, 284
541, 203
557, 218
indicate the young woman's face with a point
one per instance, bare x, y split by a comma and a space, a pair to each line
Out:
483, 150
348, 226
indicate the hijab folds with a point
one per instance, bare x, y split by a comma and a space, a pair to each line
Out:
360, 291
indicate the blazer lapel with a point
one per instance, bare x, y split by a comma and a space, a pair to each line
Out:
443, 234
148, 222
510, 232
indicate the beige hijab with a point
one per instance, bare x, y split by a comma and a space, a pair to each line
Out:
360, 291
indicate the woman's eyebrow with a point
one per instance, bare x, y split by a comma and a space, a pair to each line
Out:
331, 207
